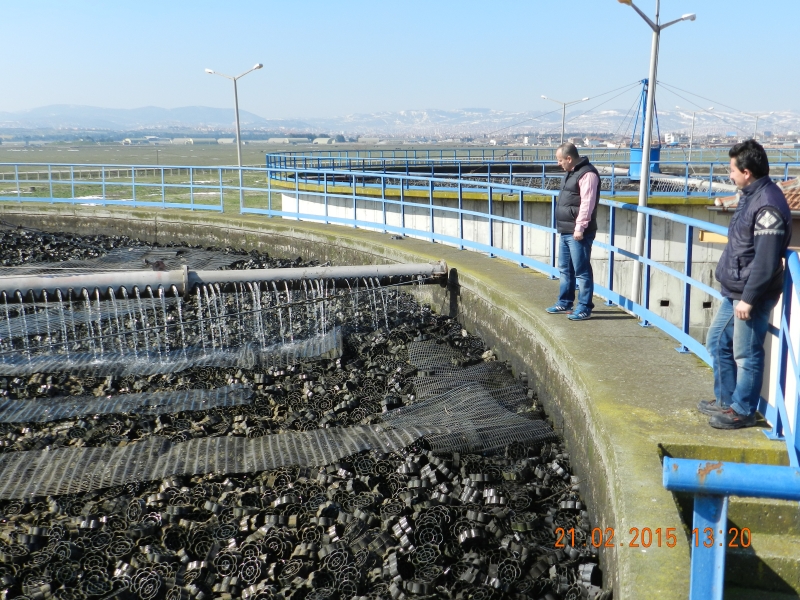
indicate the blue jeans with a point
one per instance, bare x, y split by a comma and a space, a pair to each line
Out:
574, 264
737, 354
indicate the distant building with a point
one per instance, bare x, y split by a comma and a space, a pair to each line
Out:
289, 140
593, 142
183, 141
226, 140
323, 141
368, 140
135, 141
672, 139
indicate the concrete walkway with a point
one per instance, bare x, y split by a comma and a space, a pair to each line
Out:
620, 393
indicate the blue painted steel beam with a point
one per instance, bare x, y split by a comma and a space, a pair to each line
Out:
731, 479
709, 524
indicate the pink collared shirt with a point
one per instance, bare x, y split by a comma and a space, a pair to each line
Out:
588, 186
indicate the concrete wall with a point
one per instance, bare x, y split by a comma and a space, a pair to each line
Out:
668, 243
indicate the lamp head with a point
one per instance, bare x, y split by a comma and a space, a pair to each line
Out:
628, 2
544, 97
584, 99
258, 66
209, 71
687, 17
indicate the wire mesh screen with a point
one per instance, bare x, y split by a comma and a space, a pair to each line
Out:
131, 259
492, 375
436, 358
72, 470
152, 403
471, 418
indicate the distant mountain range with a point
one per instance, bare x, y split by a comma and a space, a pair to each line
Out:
429, 123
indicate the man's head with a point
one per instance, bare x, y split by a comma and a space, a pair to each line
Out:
749, 162
567, 156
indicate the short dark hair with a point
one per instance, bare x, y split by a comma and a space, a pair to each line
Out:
750, 155
568, 149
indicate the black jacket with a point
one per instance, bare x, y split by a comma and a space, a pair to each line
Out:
569, 199
751, 266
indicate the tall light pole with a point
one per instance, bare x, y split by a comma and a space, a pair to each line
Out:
691, 133
238, 133
644, 184
757, 117
564, 106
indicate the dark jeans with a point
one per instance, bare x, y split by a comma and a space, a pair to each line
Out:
574, 264
737, 354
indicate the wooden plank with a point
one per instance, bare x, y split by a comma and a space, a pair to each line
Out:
713, 238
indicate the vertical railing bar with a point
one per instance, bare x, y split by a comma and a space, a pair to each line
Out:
460, 209
612, 226
648, 239
687, 287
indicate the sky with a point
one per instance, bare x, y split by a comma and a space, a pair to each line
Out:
338, 57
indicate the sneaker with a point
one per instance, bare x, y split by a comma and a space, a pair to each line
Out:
558, 309
580, 316
730, 419
710, 407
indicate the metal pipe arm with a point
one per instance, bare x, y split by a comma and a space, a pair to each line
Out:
186, 279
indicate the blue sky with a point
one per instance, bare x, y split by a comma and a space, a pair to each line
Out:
327, 58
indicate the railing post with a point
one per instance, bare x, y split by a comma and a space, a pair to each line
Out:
687, 288
325, 195
491, 221
710, 180
460, 210
613, 179
50, 181
709, 540
430, 198
648, 245
402, 204
773, 414
612, 225
383, 198
355, 202
191, 187
686, 181
555, 232
269, 193
221, 190
133, 186
521, 227
72, 184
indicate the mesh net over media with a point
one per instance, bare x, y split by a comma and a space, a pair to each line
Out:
150, 403
465, 419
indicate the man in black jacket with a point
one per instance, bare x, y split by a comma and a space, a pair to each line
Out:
576, 222
750, 271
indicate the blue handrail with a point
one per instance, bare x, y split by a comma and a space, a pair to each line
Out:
712, 483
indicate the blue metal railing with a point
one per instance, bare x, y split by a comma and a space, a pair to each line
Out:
712, 483
499, 153
413, 205
681, 178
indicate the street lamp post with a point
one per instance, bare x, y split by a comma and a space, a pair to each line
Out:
238, 132
757, 117
691, 133
564, 106
644, 184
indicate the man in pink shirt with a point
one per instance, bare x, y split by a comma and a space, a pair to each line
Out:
576, 222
